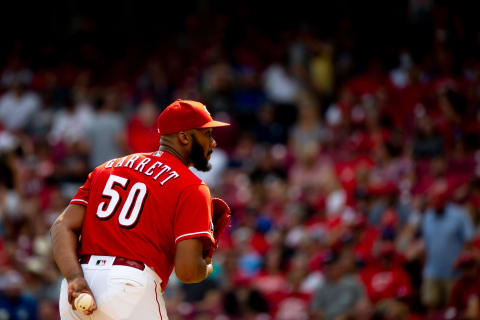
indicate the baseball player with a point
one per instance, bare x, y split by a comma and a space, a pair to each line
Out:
138, 217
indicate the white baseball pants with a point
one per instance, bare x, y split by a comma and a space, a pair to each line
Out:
121, 292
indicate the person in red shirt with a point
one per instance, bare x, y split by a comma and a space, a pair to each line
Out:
465, 296
386, 279
138, 217
142, 135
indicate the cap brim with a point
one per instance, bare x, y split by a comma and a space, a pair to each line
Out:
215, 124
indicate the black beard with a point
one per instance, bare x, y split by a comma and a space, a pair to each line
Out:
200, 162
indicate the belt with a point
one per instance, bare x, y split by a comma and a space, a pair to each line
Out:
118, 261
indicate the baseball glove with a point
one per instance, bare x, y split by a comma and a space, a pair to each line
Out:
220, 218
221, 221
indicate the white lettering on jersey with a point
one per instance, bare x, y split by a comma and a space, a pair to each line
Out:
140, 167
142, 164
120, 163
149, 171
131, 161
110, 163
171, 175
165, 168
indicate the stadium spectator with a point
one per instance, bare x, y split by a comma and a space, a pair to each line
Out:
465, 298
446, 230
106, 132
141, 128
14, 303
341, 296
18, 106
386, 279
71, 123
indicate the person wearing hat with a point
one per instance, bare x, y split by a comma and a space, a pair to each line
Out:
446, 230
139, 216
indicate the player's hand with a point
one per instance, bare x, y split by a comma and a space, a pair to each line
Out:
221, 218
76, 286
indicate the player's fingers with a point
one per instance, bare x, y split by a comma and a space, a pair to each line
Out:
94, 304
89, 311
72, 297
73, 289
70, 292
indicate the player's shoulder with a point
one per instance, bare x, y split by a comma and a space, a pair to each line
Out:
189, 180
189, 177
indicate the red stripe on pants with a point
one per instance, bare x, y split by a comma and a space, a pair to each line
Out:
156, 298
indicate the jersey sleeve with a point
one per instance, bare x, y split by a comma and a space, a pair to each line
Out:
81, 197
193, 218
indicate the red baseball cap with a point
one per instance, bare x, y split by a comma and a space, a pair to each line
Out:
186, 114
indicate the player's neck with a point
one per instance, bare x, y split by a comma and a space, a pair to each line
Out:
173, 152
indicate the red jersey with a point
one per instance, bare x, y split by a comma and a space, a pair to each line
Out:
386, 283
139, 206
464, 290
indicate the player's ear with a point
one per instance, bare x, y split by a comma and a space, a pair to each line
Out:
184, 137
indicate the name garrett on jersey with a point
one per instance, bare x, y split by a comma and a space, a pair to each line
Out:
155, 170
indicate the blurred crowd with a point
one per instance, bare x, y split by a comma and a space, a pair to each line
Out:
354, 182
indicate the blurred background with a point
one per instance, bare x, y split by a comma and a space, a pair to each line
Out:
352, 163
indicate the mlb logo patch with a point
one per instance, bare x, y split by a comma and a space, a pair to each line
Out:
101, 262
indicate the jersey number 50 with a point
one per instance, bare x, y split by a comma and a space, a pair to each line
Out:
132, 207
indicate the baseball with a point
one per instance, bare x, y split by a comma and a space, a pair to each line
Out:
83, 302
